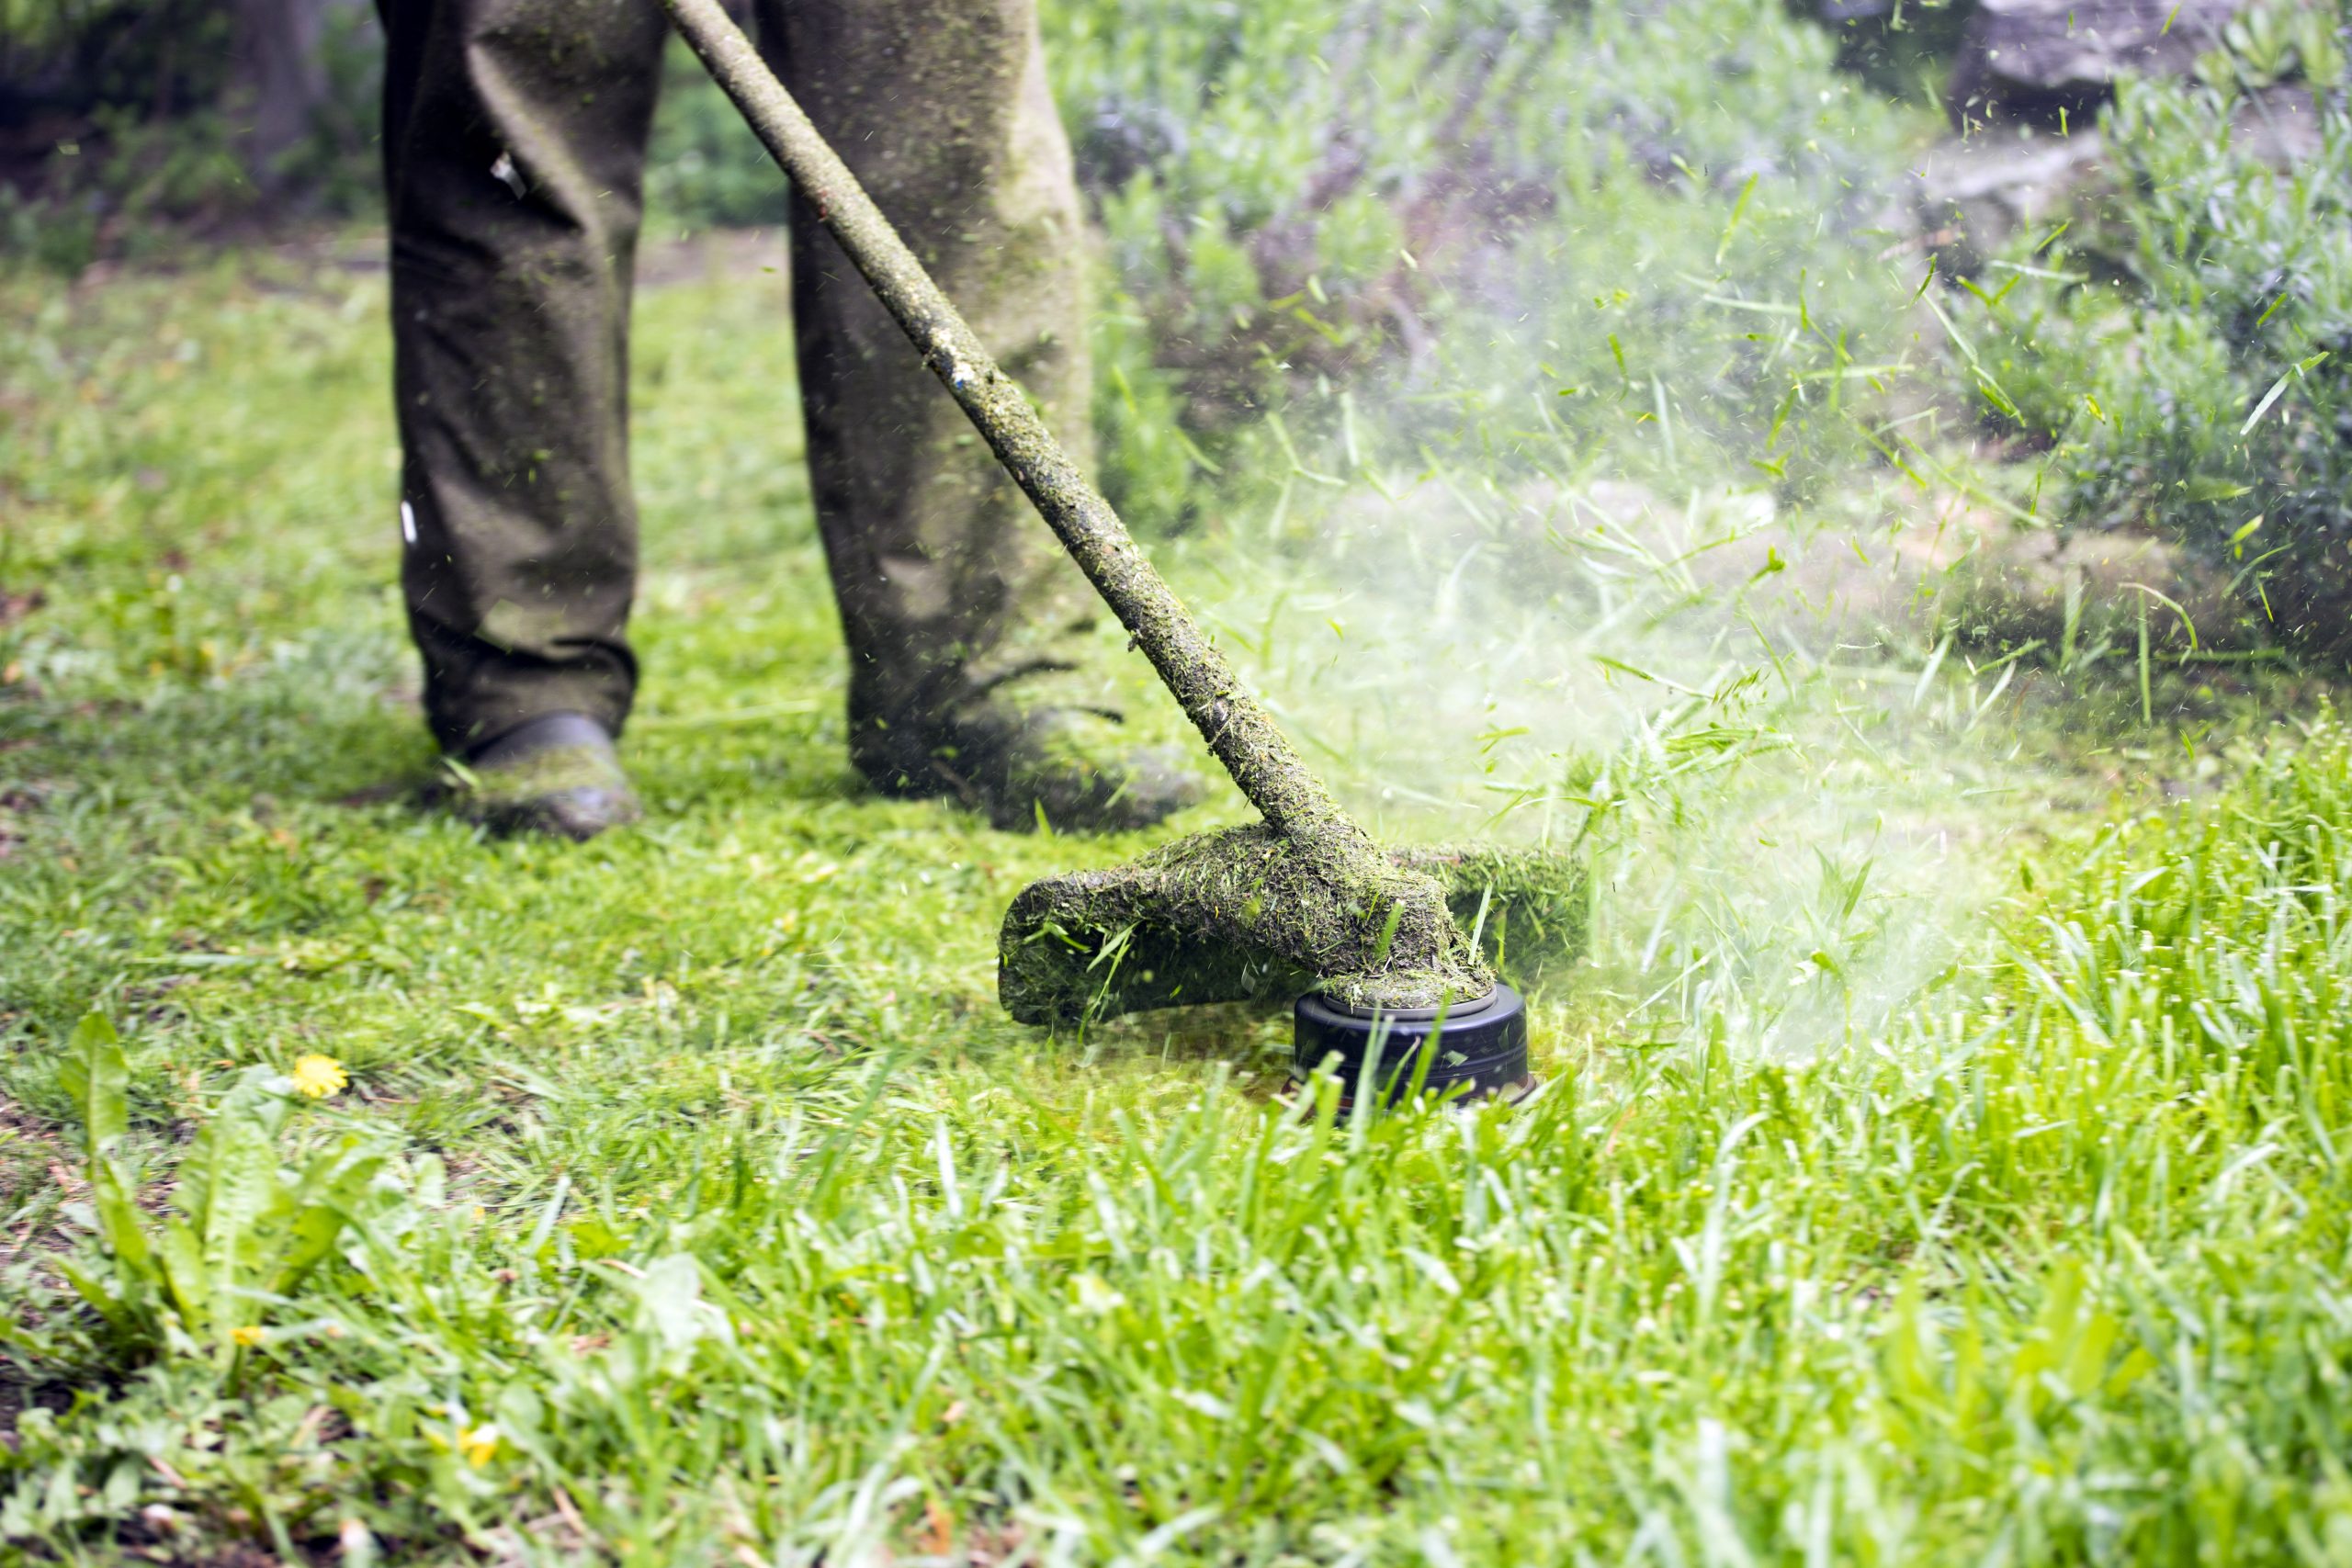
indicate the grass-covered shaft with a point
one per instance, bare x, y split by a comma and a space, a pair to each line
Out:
1382, 932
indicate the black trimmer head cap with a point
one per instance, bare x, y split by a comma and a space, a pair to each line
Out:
1477, 1047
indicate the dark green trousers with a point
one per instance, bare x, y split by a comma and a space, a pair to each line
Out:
515, 147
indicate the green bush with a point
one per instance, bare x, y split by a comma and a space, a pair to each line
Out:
149, 149
160, 56
2189, 359
133, 83
1635, 225
1323, 210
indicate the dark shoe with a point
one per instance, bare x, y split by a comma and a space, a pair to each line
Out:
556, 775
1063, 768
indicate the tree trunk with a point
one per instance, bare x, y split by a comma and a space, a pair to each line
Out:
278, 81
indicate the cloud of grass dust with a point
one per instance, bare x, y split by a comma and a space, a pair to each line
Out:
1603, 507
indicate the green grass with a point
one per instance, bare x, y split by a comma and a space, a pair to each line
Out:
691, 1202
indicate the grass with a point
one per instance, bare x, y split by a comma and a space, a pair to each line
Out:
690, 1201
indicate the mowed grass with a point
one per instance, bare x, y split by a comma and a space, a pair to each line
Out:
691, 1202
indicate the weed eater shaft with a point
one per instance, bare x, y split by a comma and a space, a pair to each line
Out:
1241, 734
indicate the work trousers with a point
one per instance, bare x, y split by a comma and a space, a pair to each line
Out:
515, 142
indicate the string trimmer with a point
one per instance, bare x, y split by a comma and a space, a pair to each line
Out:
1302, 903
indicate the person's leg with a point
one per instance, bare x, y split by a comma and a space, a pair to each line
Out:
515, 137
964, 618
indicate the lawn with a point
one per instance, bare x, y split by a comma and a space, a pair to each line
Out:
1942, 1156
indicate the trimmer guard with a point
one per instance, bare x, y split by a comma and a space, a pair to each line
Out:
1209, 918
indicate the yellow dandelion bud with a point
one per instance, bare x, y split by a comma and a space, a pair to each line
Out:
320, 1076
477, 1444
248, 1335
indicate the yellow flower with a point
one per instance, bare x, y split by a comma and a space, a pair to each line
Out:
248, 1335
477, 1444
320, 1076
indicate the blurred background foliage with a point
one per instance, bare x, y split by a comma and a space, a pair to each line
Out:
1544, 220
1681, 244
2185, 352
125, 125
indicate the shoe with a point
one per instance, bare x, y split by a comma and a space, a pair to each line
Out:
556, 774
1061, 768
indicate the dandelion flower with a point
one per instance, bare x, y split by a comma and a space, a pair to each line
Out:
248, 1335
320, 1076
477, 1444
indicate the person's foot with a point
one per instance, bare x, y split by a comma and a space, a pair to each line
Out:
1065, 768
556, 774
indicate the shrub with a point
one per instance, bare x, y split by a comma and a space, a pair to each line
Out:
2190, 360
137, 107
1650, 209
